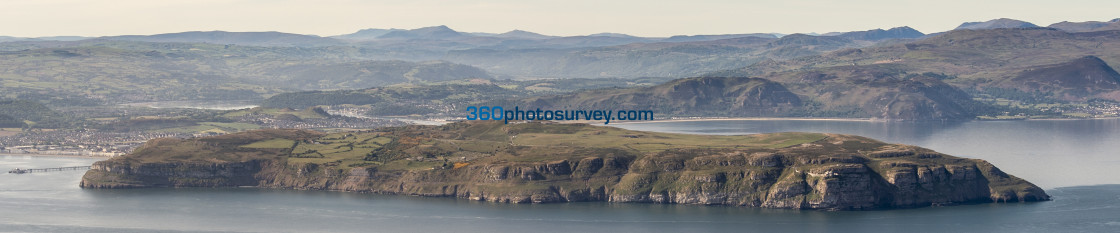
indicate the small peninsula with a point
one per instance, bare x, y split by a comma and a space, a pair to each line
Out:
542, 162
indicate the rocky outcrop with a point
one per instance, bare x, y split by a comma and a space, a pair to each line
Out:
839, 172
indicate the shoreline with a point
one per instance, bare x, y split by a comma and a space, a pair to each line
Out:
601, 122
1058, 119
58, 156
747, 119
826, 119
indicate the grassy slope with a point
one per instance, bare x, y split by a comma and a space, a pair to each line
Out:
524, 142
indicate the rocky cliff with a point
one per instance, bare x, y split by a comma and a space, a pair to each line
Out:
540, 162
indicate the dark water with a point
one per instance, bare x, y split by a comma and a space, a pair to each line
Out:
52, 202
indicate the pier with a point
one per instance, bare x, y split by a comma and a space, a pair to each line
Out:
33, 170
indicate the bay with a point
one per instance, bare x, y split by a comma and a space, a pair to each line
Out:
1073, 160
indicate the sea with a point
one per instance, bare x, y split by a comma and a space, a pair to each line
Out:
1076, 161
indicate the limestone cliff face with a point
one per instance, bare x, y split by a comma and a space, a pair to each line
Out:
140, 175
838, 172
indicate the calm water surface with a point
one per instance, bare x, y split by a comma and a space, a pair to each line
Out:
1073, 160
1050, 153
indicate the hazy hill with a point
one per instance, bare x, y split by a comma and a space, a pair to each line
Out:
444, 97
519, 53
711, 96
201, 71
878, 91
977, 58
64, 38
366, 34
10, 38
587, 41
396, 100
238, 38
364, 74
1087, 26
1076, 80
665, 59
996, 23
880, 34
13, 113
427, 33
611, 34
682, 38
524, 34
799, 45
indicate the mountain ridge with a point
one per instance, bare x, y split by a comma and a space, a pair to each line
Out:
1076, 80
996, 24
1089, 26
270, 38
904, 32
425, 33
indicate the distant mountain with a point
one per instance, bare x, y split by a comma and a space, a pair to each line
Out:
708, 96
803, 39
176, 71
524, 34
610, 34
10, 39
682, 38
880, 34
589, 41
877, 91
798, 45
365, 74
996, 23
832, 93
64, 38
1089, 26
1077, 80
427, 33
238, 38
47, 38
1028, 64
396, 100
366, 34
442, 97
966, 53
642, 58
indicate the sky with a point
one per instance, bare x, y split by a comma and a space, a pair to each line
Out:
652, 18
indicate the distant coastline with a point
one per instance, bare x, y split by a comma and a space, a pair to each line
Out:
60, 156
691, 119
754, 119
1052, 119
836, 119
